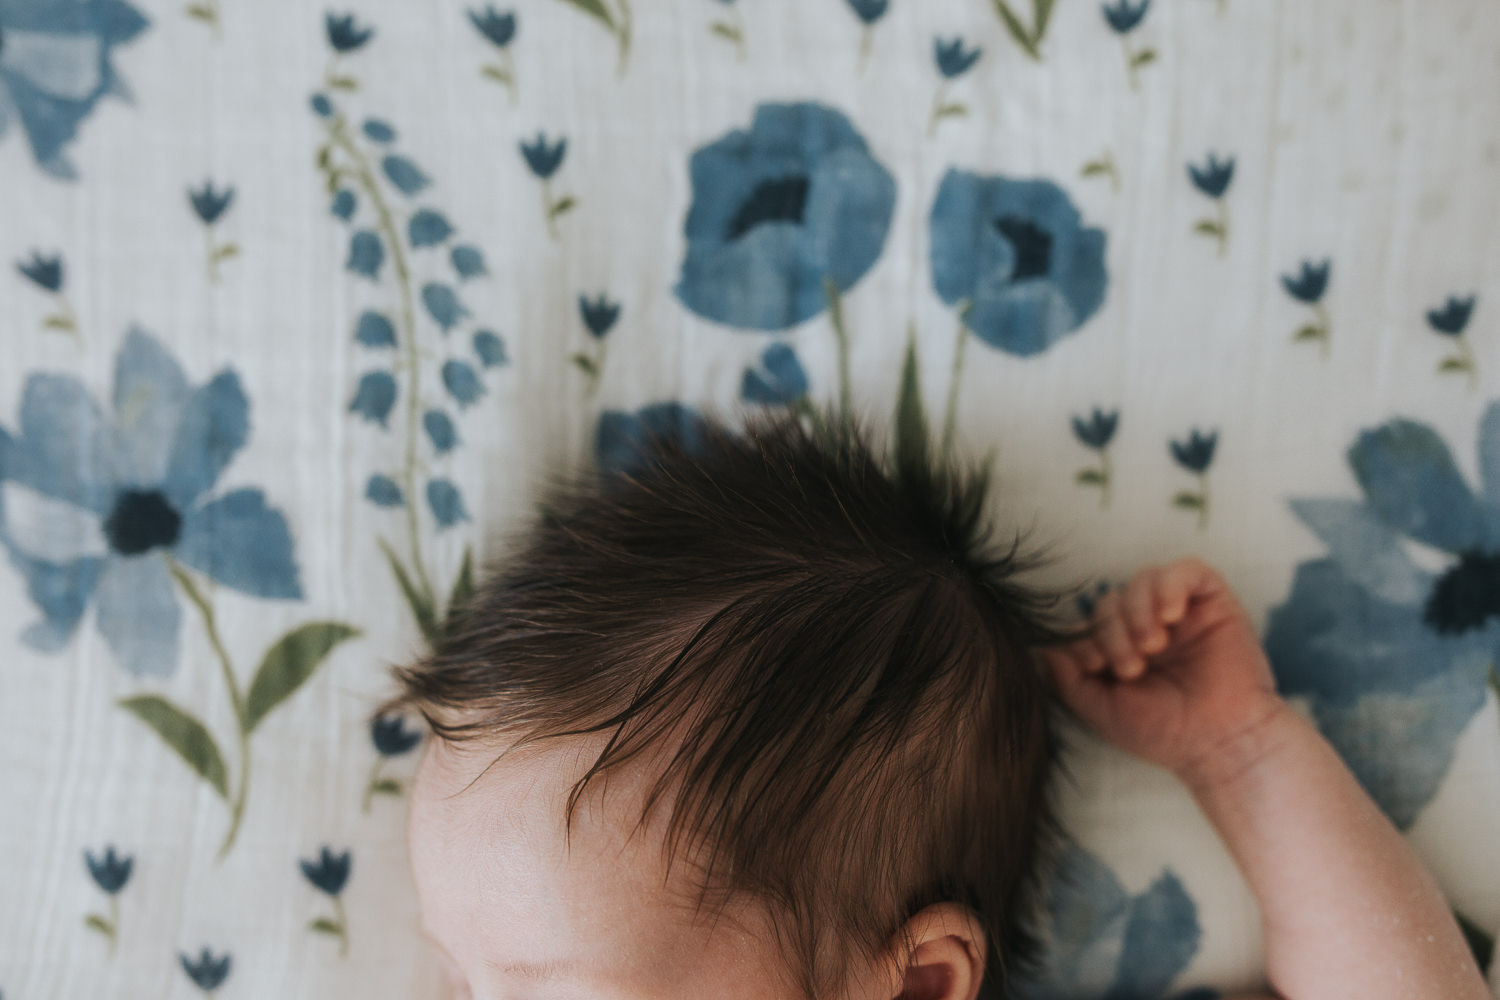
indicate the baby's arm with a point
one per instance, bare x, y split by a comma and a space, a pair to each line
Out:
1174, 674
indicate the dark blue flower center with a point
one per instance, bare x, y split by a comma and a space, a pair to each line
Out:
142, 520
780, 199
1466, 595
1033, 246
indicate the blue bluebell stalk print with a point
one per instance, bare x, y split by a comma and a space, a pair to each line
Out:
1307, 286
544, 159
206, 971
209, 206
1195, 454
1394, 655
1096, 431
329, 873
110, 872
348, 159
345, 35
1450, 320
1125, 17
391, 738
953, 61
1212, 179
56, 64
730, 26
46, 272
499, 29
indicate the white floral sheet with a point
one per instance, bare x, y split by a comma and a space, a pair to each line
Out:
299, 301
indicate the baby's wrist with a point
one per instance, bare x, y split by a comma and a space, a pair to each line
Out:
1230, 756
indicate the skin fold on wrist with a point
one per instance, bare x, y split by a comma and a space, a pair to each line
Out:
1231, 756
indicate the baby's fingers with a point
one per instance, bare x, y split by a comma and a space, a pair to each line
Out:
1142, 615
1113, 637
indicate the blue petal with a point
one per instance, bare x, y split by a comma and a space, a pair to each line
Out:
374, 397
619, 437
404, 174
440, 431
61, 594
1161, 938
65, 449
366, 254
215, 424
428, 228
1365, 548
446, 503
443, 305
1409, 477
150, 392
382, 491
490, 349
462, 383
468, 262
379, 131
1489, 467
374, 330
783, 380
1087, 909
243, 543
138, 614
344, 204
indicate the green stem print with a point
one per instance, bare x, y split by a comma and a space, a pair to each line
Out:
1101, 476
841, 335
1188, 500
1029, 38
334, 80
286, 666
732, 29
108, 926
554, 207
955, 379
335, 926
503, 72
591, 364
206, 11
1461, 363
618, 22
379, 784
944, 108
216, 253
1135, 60
866, 45
1217, 227
64, 320
1103, 166
1320, 329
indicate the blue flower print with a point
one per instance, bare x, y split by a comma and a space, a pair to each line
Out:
207, 972
1124, 17
1392, 655
89, 505
47, 274
56, 62
404, 174
1101, 941
1450, 320
428, 229
446, 503
329, 873
619, 437
780, 214
345, 34
953, 61
382, 491
490, 349
378, 131
210, 205
868, 12
374, 397
443, 305
544, 160
344, 204
321, 105
499, 30
374, 330
1212, 179
599, 317
366, 254
1017, 259
1096, 432
1307, 286
110, 873
440, 431
780, 379
468, 262
1195, 455
391, 739
462, 383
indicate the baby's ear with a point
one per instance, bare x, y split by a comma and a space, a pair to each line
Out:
939, 954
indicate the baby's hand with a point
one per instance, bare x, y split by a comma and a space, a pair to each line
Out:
1173, 671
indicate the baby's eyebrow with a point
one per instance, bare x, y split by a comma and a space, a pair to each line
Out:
535, 971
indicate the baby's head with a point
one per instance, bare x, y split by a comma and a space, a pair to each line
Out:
758, 718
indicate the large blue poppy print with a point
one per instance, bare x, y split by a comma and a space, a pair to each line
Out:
90, 504
55, 65
1394, 656
1017, 256
779, 210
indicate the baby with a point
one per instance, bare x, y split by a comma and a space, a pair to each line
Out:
768, 717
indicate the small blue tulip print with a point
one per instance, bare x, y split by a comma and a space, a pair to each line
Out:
490, 349
442, 304
47, 274
1096, 431
780, 379
110, 873
468, 262
382, 491
391, 739
404, 174
782, 213
321, 105
366, 254
620, 437
379, 131
1212, 179
599, 315
1015, 257
868, 12
1087, 601
446, 503
1195, 454
499, 30
1307, 286
428, 229
345, 34
210, 205
374, 397
544, 160
374, 330
1124, 17
207, 972
440, 431
462, 383
953, 61
328, 873
344, 204
1450, 320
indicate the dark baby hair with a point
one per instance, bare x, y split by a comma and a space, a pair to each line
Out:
834, 663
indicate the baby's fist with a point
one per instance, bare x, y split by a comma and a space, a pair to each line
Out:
1172, 671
